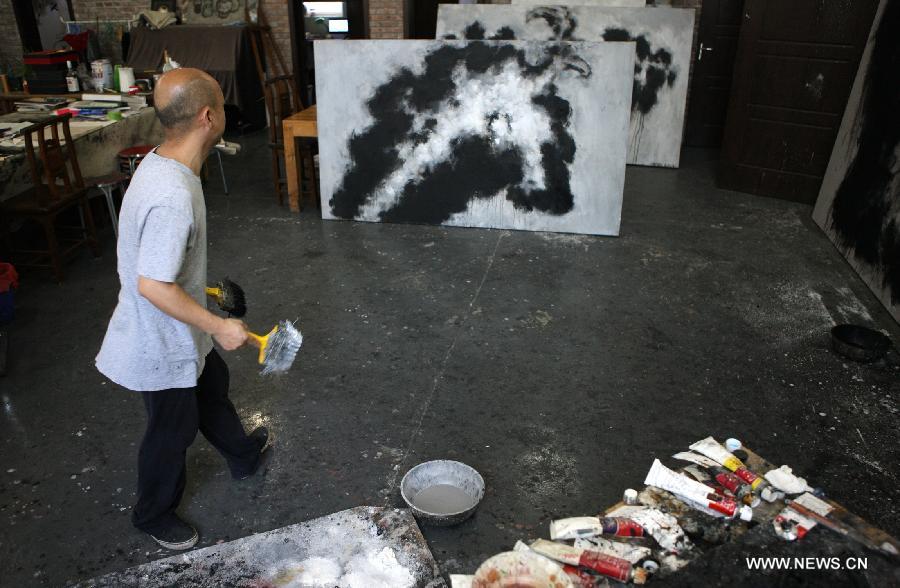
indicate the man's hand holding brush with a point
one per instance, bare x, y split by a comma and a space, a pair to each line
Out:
231, 335
170, 298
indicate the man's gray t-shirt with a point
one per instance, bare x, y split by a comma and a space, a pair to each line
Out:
162, 236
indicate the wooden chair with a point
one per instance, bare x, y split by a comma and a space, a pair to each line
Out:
57, 186
283, 100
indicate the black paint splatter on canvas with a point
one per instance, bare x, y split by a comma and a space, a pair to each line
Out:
866, 210
476, 167
560, 19
656, 64
657, 67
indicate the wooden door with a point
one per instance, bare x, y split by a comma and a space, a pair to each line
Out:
794, 69
422, 18
720, 24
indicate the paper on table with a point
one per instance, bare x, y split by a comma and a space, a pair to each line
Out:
77, 128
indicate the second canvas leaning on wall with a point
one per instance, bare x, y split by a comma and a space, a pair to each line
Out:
662, 38
498, 134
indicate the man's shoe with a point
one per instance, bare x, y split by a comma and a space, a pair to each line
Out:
175, 534
261, 434
265, 439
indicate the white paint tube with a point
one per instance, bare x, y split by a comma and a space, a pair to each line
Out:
628, 551
612, 567
626, 510
664, 528
691, 491
714, 450
700, 460
579, 577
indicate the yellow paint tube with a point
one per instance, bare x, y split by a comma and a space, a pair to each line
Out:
714, 450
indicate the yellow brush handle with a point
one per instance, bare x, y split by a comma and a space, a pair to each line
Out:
262, 341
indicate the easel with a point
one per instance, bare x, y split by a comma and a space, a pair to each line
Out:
261, 34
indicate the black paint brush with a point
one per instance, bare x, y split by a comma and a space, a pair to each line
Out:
230, 297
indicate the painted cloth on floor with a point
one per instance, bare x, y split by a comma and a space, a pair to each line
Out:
162, 236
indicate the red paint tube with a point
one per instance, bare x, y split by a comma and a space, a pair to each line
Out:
756, 483
621, 527
607, 565
580, 527
733, 484
580, 578
722, 504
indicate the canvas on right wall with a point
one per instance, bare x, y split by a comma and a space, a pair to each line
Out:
859, 202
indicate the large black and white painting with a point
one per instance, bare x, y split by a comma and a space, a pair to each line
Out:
859, 202
518, 135
662, 37
625, 3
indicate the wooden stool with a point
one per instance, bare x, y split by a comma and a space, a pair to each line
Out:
131, 157
106, 184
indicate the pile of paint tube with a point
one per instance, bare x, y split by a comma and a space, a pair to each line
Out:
638, 539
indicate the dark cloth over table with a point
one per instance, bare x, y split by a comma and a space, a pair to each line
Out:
223, 52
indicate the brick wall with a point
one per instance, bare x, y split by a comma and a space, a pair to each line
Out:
10, 44
386, 19
276, 14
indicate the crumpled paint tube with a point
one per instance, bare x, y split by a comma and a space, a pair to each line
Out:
577, 527
791, 525
724, 481
785, 480
580, 578
612, 567
691, 491
700, 460
714, 450
625, 550
663, 527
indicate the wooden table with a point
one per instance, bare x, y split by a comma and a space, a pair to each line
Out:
302, 125
96, 144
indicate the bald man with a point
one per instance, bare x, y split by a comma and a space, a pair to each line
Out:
160, 338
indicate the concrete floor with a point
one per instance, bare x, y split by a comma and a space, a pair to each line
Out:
559, 366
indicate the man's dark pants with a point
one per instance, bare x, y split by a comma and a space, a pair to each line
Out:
173, 418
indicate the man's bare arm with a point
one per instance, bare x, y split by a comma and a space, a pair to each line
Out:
174, 301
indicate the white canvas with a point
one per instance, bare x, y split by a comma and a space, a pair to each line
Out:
515, 135
662, 58
859, 201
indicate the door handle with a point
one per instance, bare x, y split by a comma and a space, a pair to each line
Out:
701, 50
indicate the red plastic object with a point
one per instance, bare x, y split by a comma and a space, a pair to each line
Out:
9, 279
53, 57
136, 151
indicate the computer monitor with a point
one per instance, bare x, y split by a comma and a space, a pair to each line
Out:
338, 25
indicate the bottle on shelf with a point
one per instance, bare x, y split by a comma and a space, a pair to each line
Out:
73, 84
